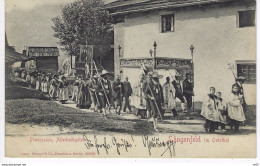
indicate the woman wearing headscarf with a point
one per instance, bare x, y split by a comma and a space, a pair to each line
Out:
44, 85
76, 89
38, 82
63, 90
93, 87
28, 78
33, 80
81, 92
84, 99
54, 83
48, 81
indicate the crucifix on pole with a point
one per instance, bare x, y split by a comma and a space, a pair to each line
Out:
192, 74
154, 55
192, 63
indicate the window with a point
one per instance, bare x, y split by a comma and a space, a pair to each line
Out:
248, 70
168, 23
246, 18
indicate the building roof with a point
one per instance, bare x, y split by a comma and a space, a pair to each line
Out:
33, 51
120, 3
12, 56
121, 7
41, 47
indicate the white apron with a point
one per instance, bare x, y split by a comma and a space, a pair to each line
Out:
235, 108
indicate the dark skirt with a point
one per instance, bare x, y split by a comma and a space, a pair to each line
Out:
84, 98
155, 111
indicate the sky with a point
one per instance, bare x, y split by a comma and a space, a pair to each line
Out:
28, 22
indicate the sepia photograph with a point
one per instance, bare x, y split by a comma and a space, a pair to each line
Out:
130, 79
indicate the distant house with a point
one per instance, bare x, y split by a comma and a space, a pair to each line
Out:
43, 59
11, 56
221, 31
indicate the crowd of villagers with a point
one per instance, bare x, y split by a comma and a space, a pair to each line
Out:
101, 95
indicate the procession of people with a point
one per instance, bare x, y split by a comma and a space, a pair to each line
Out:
103, 96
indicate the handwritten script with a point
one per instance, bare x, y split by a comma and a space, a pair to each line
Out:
120, 145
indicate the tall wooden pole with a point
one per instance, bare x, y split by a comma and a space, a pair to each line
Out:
71, 61
154, 55
192, 70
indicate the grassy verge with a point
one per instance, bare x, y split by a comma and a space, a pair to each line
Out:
40, 112
18, 92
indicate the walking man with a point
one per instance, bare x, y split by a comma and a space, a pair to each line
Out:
118, 90
126, 94
169, 96
188, 92
154, 93
178, 91
104, 92
145, 86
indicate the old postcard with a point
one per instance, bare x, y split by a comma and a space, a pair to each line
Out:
130, 79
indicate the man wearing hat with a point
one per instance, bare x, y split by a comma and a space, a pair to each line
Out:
154, 93
148, 81
239, 82
104, 91
127, 92
188, 91
118, 90
178, 91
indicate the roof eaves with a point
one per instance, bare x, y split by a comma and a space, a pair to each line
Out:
169, 5
132, 2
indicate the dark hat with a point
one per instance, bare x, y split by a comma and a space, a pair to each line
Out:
187, 74
235, 85
104, 72
156, 75
150, 74
177, 74
241, 78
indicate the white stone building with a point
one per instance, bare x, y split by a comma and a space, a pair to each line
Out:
221, 31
